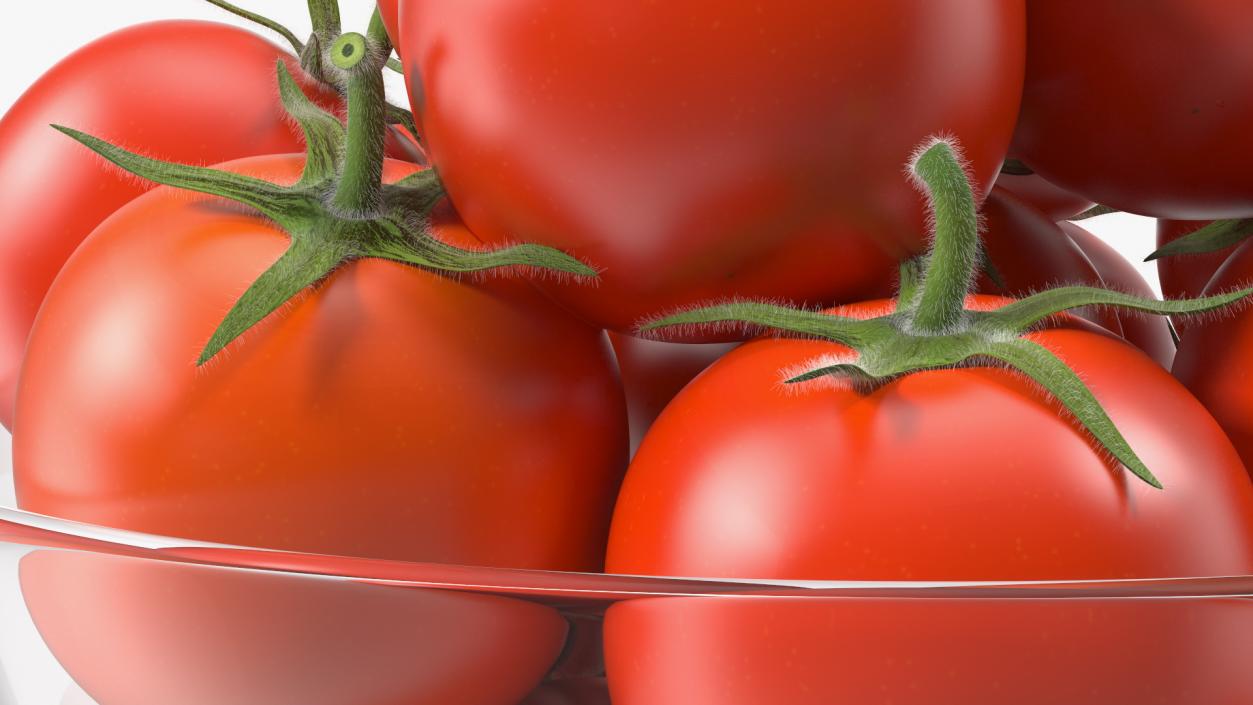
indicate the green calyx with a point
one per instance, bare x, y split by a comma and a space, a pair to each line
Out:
339, 210
931, 327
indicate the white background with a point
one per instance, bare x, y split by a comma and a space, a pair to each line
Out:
41, 32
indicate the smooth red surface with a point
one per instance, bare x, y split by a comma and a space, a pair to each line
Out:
653, 371
1031, 253
1215, 360
192, 92
137, 632
390, 413
1045, 197
1149, 333
697, 149
799, 651
966, 474
1142, 106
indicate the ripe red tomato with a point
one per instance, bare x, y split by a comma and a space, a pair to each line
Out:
955, 474
1034, 190
696, 150
191, 92
654, 371
1032, 253
1160, 131
1216, 359
390, 412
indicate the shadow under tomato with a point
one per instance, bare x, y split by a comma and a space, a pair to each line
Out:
137, 632
822, 651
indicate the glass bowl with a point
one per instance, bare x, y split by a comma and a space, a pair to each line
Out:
95, 615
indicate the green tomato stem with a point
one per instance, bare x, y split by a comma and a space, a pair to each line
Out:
949, 268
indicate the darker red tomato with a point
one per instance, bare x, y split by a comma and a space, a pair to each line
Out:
1055, 203
1143, 108
1031, 253
190, 92
696, 150
1215, 360
956, 474
391, 412
654, 371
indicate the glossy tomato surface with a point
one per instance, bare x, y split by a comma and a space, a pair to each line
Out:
1031, 253
1034, 190
965, 474
696, 150
389, 413
1142, 106
390, 12
1215, 360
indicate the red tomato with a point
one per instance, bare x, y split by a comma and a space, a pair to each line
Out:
1215, 360
654, 371
190, 92
1045, 197
1143, 108
696, 150
390, 412
1031, 253
955, 474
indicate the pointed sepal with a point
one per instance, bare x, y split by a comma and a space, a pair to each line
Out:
1021, 315
305, 263
1218, 235
324, 133
270, 199
1042, 366
761, 315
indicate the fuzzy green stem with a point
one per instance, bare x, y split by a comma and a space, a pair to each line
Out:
325, 17
955, 246
360, 184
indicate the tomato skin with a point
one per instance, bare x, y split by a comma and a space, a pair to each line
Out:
1136, 148
1032, 253
389, 413
653, 371
742, 479
676, 146
1054, 202
1214, 359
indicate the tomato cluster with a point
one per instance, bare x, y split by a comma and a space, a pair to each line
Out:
730, 290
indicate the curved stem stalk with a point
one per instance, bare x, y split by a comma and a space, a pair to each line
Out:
950, 265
